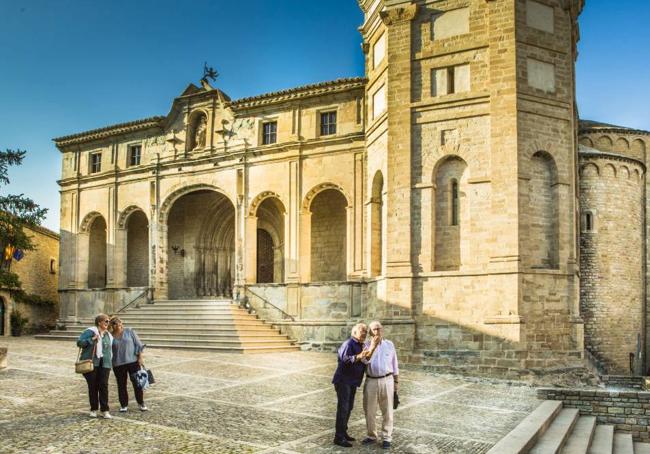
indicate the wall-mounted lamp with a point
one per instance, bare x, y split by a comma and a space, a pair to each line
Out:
178, 250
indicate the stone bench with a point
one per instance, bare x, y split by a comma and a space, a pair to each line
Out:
3, 357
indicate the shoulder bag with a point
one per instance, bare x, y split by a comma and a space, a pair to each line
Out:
86, 365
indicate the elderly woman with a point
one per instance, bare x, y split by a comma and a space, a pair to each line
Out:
127, 359
96, 344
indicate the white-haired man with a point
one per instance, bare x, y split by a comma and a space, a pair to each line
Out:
347, 378
382, 378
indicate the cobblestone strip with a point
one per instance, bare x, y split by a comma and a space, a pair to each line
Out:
361, 421
298, 396
481, 407
188, 432
438, 434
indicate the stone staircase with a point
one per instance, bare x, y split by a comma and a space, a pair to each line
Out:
553, 429
214, 325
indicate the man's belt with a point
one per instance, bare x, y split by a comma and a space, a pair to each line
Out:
383, 376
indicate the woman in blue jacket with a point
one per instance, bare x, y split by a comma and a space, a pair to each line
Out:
96, 343
127, 359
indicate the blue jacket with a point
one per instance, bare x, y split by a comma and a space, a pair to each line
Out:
349, 371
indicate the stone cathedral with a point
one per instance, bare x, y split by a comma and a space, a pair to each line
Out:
452, 193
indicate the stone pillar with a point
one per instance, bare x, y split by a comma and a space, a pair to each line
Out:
398, 172
120, 257
251, 249
305, 246
293, 228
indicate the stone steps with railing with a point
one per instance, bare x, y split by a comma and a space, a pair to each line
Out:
218, 325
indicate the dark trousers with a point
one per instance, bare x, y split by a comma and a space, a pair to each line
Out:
345, 396
98, 388
121, 372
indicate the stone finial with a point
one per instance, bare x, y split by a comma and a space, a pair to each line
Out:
400, 14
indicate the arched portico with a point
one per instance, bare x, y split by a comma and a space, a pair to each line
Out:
198, 247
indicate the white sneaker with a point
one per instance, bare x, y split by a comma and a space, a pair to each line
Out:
107, 415
143, 407
124, 409
92, 414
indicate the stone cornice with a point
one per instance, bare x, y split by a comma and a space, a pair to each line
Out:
399, 14
597, 154
108, 131
305, 91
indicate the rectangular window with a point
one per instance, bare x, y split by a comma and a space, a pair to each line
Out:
379, 102
269, 132
453, 79
135, 153
95, 162
379, 51
327, 123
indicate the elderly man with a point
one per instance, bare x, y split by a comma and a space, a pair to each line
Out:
347, 378
382, 378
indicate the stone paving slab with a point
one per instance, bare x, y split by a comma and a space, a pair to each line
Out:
232, 403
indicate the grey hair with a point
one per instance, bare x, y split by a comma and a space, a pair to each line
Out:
356, 328
374, 324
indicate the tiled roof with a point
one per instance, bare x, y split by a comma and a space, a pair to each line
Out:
596, 126
108, 131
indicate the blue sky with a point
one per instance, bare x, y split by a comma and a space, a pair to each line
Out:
71, 65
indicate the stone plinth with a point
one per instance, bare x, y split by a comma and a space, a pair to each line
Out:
3, 357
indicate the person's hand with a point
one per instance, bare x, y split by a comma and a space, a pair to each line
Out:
140, 359
396, 387
95, 338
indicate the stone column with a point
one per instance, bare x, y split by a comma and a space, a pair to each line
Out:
251, 249
398, 178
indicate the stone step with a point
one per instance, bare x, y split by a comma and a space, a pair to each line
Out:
266, 349
196, 301
182, 310
581, 436
191, 341
265, 333
523, 437
641, 448
623, 443
603, 442
134, 316
554, 438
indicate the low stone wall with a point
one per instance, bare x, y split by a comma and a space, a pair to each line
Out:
327, 335
625, 382
3, 357
627, 411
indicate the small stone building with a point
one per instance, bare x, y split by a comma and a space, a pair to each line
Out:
38, 273
440, 193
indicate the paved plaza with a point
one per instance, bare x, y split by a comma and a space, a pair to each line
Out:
227, 403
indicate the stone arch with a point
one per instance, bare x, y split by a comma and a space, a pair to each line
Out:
638, 146
589, 169
586, 141
543, 212
87, 221
270, 234
307, 201
624, 172
328, 235
261, 197
123, 218
97, 244
376, 224
180, 191
604, 143
450, 214
609, 170
198, 130
622, 145
136, 226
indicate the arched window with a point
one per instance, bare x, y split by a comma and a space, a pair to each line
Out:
52, 266
588, 222
450, 212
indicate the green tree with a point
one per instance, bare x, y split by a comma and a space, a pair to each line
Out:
16, 211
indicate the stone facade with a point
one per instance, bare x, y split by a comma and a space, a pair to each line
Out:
438, 194
38, 272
